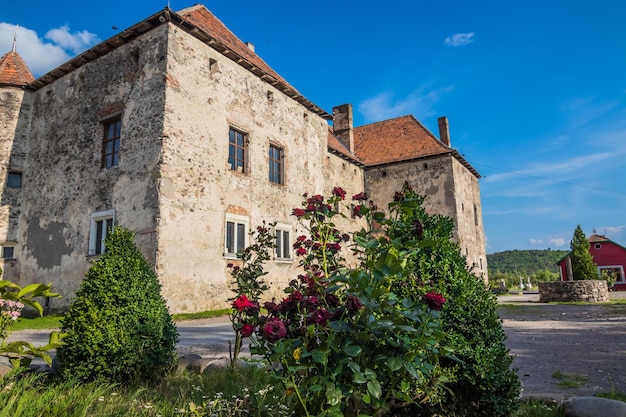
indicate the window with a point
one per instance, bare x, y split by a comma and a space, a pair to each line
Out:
111, 142
237, 150
276, 164
283, 242
8, 252
615, 271
14, 180
101, 226
236, 235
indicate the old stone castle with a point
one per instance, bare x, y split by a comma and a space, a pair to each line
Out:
177, 130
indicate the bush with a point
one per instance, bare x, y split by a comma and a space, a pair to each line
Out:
484, 383
118, 326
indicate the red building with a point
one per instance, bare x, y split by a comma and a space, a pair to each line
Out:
607, 255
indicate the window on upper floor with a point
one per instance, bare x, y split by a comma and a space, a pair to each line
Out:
8, 251
100, 227
235, 235
14, 179
282, 251
238, 150
276, 168
111, 142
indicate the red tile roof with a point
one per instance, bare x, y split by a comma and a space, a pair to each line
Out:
338, 148
401, 139
597, 238
14, 71
394, 140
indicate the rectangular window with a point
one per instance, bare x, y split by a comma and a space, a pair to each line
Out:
282, 232
8, 252
237, 150
236, 235
14, 180
616, 272
101, 225
276, 165
111, 142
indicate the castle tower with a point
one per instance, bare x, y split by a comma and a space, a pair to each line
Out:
14, 114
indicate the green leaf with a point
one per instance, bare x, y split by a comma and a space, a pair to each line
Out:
374, 389
394, 363
352, 350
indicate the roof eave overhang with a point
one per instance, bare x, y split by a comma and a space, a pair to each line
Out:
160, 18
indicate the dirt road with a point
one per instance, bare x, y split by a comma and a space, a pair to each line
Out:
584, 345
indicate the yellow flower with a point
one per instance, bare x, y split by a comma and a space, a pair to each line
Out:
297, 354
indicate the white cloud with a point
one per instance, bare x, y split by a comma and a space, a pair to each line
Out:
386, 106
535, 242
459, 39
76, 42
557, 241
40, 55
613, 232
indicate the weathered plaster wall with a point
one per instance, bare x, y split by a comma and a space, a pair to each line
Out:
63, 181
469, 220
206, 94
449, 189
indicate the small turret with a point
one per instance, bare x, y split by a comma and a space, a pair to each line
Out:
14, 71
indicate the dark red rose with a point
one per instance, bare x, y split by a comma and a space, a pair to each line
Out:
339, 192
272, 308
298, 212
331, 300
360, 197
236, 268
353, 303
434, 300
419, 229
247, 330
356, 211
345, 237
301, 251
335, 247
319, 316
399, 196
274, 330
292, 302
229, 265
311, 301
301, 238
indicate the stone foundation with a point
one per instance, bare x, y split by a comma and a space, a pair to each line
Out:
592, 291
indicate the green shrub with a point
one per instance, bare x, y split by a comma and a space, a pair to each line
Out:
484, 383
118, 326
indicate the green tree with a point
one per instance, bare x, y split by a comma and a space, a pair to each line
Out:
583, 266
118, 326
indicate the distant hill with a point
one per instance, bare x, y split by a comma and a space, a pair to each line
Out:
528, 261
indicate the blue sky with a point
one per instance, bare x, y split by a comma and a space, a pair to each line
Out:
534, 90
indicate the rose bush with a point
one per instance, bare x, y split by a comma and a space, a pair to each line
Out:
341, 342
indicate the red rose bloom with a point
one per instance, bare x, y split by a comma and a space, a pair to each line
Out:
356, 211
301, 251
434, 300
247, 330
360, 197
242, 303
319, 316
353, 303
274, 330
339, 192
298, 212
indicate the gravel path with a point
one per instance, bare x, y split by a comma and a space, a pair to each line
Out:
581, 342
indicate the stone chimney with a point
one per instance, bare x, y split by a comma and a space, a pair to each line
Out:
250, 46
342, 125
444, 130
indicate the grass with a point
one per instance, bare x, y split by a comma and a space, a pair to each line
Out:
570, 380
538, 408
53, 322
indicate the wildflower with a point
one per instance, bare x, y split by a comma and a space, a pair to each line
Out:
434, 300
297, 354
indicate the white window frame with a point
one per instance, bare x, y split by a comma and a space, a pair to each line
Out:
236, 220
6, 246
283, 229
93, 230
620, 267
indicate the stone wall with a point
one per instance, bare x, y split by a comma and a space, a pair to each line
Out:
592, 291
450, 190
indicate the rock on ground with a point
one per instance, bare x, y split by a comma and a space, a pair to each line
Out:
593, 407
